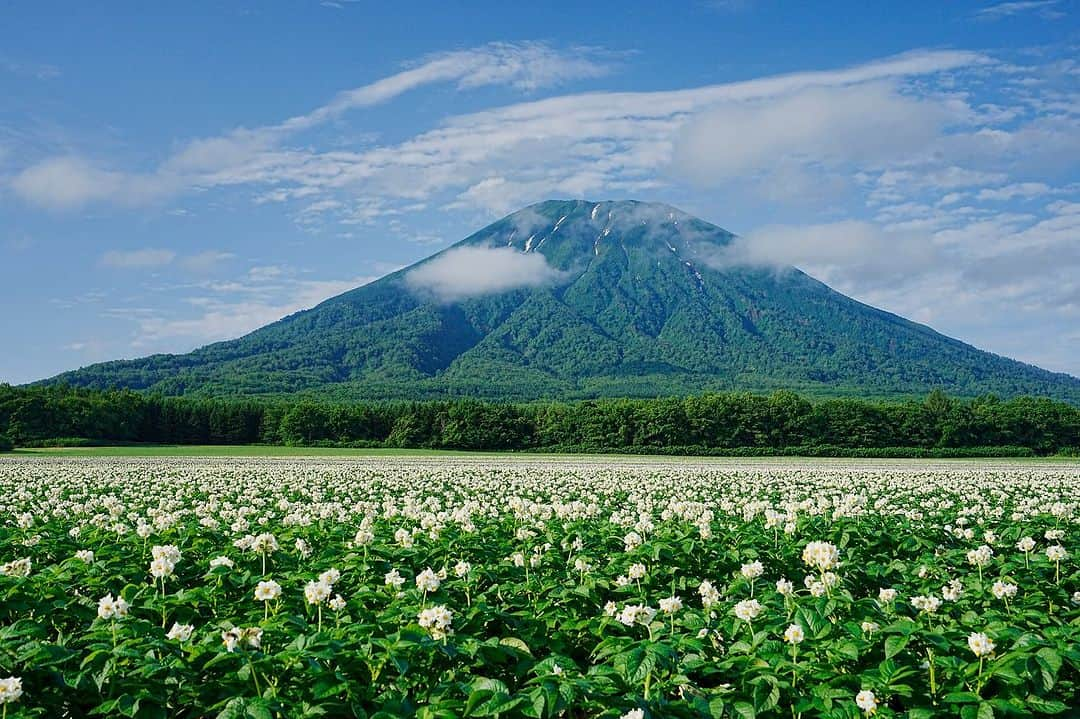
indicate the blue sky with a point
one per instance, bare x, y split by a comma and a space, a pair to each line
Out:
180, 176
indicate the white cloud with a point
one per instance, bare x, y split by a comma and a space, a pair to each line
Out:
204, 262
1045, 9
463, 272
1020, 189
855, 253
865, 124
64, 183
231, 309
577, 142
137, 259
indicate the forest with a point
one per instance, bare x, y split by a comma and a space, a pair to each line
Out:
722, 423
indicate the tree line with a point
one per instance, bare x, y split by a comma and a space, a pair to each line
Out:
720, 423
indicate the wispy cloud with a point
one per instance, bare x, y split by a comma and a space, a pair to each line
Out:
1046, 9
224, 309
38, 71
151, 258
69, 182
137, 259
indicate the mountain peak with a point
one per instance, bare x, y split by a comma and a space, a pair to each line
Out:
574, 298
568, 231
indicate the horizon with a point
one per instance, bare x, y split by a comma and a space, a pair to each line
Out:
168, 183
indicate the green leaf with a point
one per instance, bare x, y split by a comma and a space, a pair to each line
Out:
745, 710
894, 645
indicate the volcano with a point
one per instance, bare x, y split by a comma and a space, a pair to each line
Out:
576, 299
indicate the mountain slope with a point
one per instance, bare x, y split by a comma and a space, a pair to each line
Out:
628, 299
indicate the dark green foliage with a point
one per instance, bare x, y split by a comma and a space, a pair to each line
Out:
6, 445
722, 424
644, 309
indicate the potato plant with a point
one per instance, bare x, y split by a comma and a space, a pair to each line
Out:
488, 587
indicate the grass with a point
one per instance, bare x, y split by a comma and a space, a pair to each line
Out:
265, 450
250, 450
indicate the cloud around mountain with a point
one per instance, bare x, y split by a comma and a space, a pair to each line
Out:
463, 272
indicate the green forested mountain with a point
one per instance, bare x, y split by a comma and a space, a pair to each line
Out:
634, 300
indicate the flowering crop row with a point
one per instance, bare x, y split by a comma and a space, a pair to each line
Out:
389, 587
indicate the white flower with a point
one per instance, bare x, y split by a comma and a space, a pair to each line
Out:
870, 627
393, 579
302, 548
636, 614
180, 632
427, 581
633, 714
264, 543
1026, 544
794, 634
85, 555
1053, 535
168, 552
337, 603
16, 568
265, 591
1056, 553
160, 568
821, 555
753, 570
637, 571
952, 591
710, 595
317, 592
253, 636
748, 609
462, 569
1003, 590
631, 541
330, 576
610, 609
230, 638
437, 621
1076, 597
785, 587
886, 595
221, 562
10, 690
106, 607
404, 538
980, 644
671, 605
929, 604
980, 557
556, 670
866, 701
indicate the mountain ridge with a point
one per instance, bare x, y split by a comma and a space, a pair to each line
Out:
570, 299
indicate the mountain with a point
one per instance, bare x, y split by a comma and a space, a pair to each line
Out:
572, 299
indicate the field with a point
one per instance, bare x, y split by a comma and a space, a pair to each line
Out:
460, 586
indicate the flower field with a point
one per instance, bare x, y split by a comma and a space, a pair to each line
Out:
528, 587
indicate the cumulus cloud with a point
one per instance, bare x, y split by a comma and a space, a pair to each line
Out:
64, 183
853, 252
137, 259
866, 124
463, 272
